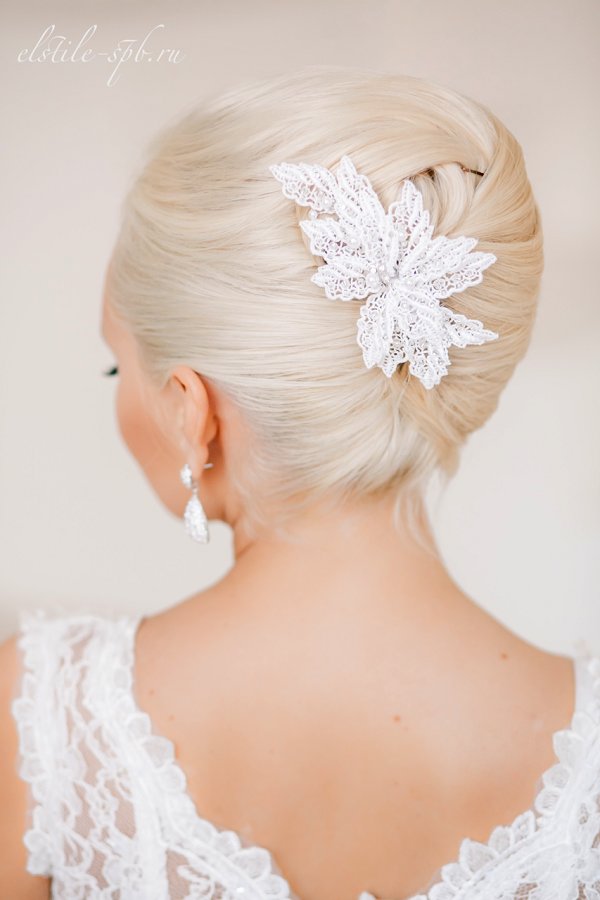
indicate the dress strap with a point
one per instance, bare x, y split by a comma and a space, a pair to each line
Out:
58, 654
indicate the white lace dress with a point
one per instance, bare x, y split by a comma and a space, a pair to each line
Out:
110, 815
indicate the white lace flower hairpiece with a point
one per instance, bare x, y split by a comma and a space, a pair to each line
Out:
392, 259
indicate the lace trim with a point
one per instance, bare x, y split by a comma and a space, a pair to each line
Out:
253, 865
476, 858
29, 712
250, 869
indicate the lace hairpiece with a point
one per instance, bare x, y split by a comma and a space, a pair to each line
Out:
391, 259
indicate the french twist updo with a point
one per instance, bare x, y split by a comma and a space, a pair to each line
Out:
211, 270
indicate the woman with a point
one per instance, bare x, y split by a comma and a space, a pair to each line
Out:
335, 718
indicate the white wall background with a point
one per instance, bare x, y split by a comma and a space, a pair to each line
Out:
79, 527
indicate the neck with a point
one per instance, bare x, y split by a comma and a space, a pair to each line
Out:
350, 560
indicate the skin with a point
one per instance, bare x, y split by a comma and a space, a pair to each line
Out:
337, 699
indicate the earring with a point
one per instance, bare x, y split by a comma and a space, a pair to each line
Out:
194, 518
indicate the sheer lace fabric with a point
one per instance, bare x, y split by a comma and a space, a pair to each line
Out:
110, 815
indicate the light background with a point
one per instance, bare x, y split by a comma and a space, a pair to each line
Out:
79, 527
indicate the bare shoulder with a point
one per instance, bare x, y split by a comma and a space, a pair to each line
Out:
462, 720
550, 698
15, 881
516, 696
490, 682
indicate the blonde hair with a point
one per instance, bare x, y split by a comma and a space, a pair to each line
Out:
211, 270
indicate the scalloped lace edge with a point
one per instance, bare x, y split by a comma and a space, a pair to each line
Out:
473, 856
473, 859
228, 843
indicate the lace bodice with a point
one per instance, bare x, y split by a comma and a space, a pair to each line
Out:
111, 817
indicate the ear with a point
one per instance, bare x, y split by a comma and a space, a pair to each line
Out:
196, 416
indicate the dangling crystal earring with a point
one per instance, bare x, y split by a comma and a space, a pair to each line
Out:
194, 518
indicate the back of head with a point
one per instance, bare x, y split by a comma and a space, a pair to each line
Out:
211, 270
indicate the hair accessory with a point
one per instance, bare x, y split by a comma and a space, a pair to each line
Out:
194, 518
392, 259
